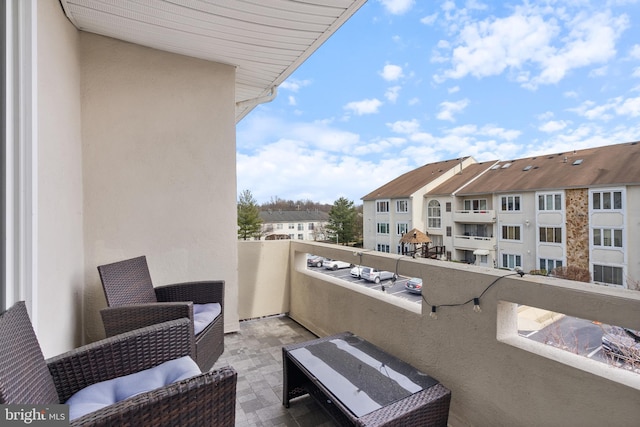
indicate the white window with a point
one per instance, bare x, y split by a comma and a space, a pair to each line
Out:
511, 232
549, 264
551, 234
510, 203
550, 202
607, 237
433, 214
279, 226
511, 261
606, 200
292, 226
382, 206
401, 228
383, 248
608, 274
383, 228
300, 226
300, 236
402, 206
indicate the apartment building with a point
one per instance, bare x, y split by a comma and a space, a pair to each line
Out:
294, 225
397, 207
579, 208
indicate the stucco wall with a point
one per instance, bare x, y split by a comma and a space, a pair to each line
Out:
497, 378
60, 204
158, 135
263, 278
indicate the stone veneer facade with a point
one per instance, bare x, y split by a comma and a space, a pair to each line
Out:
577, 227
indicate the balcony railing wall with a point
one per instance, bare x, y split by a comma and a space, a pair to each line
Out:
496, 376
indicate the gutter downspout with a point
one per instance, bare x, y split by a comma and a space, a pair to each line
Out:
259, 100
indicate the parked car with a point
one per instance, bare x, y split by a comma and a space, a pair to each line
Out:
314, 261
357, 271
414, 285
376, 276
621, 343
333, 264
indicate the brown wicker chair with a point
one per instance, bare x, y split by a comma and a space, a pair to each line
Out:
27, 378
134, 303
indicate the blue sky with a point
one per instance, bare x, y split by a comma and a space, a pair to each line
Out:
409, 82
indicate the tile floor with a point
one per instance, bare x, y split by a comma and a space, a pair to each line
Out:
255, 352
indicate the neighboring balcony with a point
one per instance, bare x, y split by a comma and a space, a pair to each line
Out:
472, 217
496, 376
474, 242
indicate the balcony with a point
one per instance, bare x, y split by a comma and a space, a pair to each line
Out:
474, 242
496, 376
475, 217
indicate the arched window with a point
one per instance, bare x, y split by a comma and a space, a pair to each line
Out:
433, 214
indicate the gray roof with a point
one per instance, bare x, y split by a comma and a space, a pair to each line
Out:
593, 167
407, 184
271, 216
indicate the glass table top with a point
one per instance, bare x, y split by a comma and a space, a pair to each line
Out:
362, 376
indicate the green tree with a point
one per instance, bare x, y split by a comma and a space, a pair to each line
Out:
342, 221
249, 221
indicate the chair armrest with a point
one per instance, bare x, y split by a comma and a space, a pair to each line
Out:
208, 399
199, 292
118, 320
121, 355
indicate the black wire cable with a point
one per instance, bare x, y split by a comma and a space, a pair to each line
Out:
475, 300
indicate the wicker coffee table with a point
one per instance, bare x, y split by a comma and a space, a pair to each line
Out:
359, 384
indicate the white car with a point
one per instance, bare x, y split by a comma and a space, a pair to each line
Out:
333, 264
357, 271
376, 276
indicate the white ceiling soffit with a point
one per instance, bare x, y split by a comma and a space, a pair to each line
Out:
265, 39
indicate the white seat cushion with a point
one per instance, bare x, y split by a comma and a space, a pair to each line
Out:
106, 393
204, 314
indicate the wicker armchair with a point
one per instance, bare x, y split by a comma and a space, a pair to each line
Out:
134, 303
27, 378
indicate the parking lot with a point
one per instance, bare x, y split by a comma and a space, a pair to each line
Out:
396, 288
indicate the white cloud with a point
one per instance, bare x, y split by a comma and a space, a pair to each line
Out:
392, 94
619, 106
454, 89
449, 109
292, 100
391, 72
414, 101
406, 127
553, 126
634, 52
366, 106
429, 19
537, 45
636, 72
397, 7
599, 72
294, 85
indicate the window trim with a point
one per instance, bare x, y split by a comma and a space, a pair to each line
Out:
593, 274
387, 202
601, 191
513, 196
550, 193
518, 226
402, 201
432, 217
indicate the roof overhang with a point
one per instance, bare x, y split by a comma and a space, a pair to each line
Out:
266, 40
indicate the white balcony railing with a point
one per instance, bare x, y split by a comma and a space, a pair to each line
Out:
473, 242
477, 216
496, 376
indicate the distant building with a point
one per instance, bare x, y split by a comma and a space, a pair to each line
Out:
579, 208
294, 225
